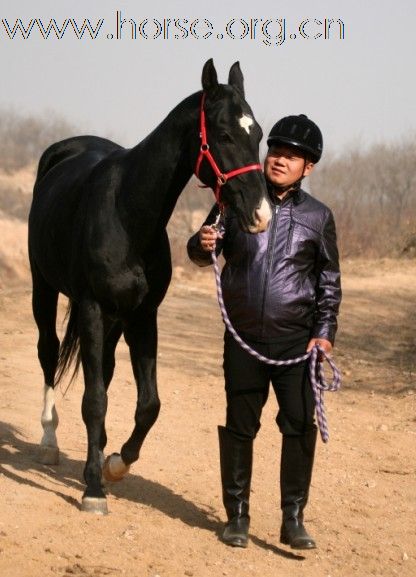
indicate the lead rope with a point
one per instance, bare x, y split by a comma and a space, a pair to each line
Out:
316, 367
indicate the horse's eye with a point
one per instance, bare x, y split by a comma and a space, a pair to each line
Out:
225, 137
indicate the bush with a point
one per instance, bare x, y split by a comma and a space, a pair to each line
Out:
373, 196
24, 138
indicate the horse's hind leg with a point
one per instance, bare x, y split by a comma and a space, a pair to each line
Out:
44, 303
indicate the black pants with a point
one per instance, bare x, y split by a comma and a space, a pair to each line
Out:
247, 383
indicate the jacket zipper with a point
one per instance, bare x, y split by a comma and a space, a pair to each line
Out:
270, 247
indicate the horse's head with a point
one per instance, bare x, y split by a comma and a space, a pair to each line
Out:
232, 143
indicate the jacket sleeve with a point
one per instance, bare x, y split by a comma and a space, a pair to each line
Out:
328, 291
195, 251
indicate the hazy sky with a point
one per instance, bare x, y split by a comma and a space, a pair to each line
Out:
360, 89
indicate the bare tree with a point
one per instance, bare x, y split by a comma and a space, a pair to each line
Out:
23, 138
373, 196
372, 192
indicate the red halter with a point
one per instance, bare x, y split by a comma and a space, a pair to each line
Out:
222, 177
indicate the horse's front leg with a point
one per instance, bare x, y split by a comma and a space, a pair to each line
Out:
141, 337
94, 402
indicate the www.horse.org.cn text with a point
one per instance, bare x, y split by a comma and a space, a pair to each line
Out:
267, 31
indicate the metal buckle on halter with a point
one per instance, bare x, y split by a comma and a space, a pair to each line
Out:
204, 147
221, 179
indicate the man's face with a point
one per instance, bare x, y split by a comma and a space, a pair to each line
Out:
284, 165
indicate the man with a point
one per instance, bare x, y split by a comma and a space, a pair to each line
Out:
282, 293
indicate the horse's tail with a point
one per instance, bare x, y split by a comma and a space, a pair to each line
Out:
69, 349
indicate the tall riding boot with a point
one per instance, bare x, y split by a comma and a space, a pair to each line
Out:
236, 458
295, 479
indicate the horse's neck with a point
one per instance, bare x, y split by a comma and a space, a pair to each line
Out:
159, 167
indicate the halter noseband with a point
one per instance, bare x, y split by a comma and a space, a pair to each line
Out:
204, 152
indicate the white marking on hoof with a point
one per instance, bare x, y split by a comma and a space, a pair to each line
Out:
95, 505
49, 422
115, 468
245, 122
48, 455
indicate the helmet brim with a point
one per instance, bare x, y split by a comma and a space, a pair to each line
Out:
289, 142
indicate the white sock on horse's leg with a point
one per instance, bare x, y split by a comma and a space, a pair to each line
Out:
48, 450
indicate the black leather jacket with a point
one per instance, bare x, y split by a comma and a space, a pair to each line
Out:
284, 281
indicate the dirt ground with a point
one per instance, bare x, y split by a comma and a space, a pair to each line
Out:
166, 516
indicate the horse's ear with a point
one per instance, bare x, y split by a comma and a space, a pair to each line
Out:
236, 78
209, 77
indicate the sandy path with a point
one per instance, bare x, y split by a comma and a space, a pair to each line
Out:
166, 515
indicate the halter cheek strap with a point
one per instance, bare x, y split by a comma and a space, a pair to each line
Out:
204, 152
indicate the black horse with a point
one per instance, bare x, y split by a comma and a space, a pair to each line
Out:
97, 235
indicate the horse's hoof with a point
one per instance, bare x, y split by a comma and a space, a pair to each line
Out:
95, 505
48, 455
114, 468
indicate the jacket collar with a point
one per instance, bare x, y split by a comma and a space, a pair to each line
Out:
297, 196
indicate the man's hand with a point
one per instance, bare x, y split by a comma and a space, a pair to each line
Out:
208, 237
323, 343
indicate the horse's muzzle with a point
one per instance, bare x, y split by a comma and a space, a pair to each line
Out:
262, 218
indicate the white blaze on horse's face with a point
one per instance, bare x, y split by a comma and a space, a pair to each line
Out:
245, 122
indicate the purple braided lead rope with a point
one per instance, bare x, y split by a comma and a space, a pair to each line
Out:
316, 370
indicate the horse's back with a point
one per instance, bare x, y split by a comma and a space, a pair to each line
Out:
59, 199
75, 147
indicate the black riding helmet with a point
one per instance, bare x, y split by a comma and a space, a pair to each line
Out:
300, 132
